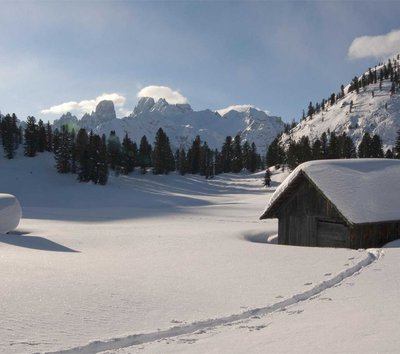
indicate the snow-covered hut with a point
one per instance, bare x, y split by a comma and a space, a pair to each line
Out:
352, 203
10, 213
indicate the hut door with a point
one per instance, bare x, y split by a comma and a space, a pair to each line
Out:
331, 234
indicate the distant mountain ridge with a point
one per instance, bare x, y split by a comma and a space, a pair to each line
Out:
181, 123
375, 109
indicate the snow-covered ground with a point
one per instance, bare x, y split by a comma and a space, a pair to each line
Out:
97, 268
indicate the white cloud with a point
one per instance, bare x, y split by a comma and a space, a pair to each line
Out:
85, 106
157, 92
379, 47
122, 112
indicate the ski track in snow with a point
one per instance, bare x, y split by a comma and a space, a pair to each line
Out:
136, 339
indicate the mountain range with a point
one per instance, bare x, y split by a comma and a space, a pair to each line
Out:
375, 109
181, 123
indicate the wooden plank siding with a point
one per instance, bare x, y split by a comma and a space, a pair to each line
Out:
299, 215
331, 234
308, 218
373, 235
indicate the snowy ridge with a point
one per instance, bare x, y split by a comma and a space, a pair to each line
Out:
374, 110
181, 123
371, 255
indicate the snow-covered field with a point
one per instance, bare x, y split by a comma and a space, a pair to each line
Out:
126, 267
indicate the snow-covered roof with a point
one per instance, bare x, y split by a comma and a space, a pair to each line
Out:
362, 190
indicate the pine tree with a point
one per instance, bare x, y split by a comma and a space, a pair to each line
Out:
98, 158
31, 137
163, 159
316, 150
389, 154
193, 156
397, 146
246, 155
49, 137
41, 137
63, 153
226, 155
291, 155
74, 153
205, 160
355, 84
56, 140
311, 110
17, 132
347, 149
9, 135
254, 158
324, 145
333, 148
128, 155
275, 154
83, 156
218, 165
101, 161
304, 150
237, 163
364, 149
332, 99
376, 147
370, 147
181, 162
114, 151
145, 150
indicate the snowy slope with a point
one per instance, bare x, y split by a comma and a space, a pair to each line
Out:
145, 254
182, 124
377, 115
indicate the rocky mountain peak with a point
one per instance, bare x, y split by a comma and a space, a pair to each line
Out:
144, 105
105, 111
147, 104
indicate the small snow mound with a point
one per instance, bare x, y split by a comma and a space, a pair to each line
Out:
10, 213
257, 237
273, 239
393, 244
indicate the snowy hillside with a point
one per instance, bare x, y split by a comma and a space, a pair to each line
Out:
374, 110
179, 264
182, 124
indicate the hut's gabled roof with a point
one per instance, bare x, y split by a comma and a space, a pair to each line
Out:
362, 190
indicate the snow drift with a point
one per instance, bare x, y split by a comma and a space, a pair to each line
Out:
10, 213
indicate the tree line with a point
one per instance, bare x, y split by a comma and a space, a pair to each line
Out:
328, 146
92, 156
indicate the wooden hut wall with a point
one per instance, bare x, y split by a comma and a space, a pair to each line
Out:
298, 216
373, 235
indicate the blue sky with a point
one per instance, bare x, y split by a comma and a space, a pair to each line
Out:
278, 55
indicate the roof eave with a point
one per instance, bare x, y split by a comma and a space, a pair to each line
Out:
270, 212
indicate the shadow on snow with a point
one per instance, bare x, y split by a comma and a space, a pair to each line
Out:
136, 196
33, 242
